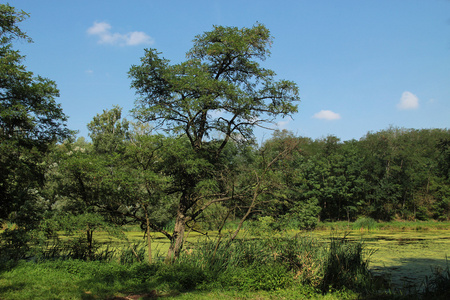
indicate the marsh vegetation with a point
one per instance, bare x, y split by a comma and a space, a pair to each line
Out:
333, 262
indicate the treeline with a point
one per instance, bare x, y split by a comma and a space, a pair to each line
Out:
128, 174
391, 174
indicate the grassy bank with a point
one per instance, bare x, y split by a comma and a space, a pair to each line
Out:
293, 267
93, 280
331, 263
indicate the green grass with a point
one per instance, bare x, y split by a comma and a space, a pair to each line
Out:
299, 292
94, 280
291, 266
75, 279
277, 266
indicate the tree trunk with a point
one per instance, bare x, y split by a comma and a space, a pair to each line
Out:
256, 193
178, 233
89, 237
149, 239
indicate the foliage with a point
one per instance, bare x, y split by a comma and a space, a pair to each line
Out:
392, 174
114, 180
133, 253
263, 226
108, 132
13, 247
221, 74
276, 263
347, 267
437, 286
364, 223
218, 94
303, 215
30, 122
402, 166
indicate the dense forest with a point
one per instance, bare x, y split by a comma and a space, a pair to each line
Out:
394, 174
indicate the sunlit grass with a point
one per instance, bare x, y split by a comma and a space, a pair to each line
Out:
406, 252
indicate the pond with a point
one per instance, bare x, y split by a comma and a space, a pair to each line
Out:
404, 257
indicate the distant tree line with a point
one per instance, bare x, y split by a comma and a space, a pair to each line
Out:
391, 174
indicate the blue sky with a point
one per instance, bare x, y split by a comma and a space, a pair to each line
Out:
361, 65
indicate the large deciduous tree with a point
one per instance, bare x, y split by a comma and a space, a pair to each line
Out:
30, 121
219, 93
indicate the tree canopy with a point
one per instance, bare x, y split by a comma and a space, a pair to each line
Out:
219, 93
221, 87
30, 118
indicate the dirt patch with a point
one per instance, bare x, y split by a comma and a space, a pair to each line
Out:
151, 295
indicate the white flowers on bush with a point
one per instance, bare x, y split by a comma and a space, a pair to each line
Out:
76, 149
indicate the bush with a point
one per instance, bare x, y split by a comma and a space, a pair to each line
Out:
346, 267
264, 226
13, 247
181, 277
438, 285
275, 263
134, 253
304, 215
365, 223
267, 277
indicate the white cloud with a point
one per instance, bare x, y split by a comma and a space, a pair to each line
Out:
103, 31
138, 37
100, 29
327, 115
282, 124
408, 101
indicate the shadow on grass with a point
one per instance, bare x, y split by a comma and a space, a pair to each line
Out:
410, 274
11, 287
139, 281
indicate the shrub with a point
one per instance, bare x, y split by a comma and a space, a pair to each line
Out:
134, 253
13, 246
263, 227
180, 276
438, 285
303, 255
268, 277
346, 267
304, 215
365, 223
